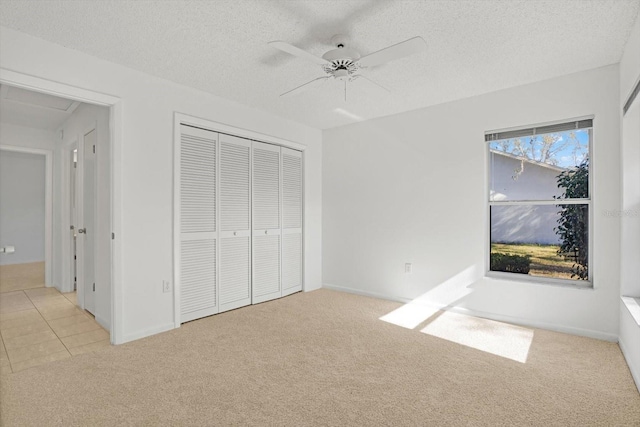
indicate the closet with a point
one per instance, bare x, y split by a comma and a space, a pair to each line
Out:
239, 221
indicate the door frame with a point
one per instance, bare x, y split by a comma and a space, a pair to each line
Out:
67, 212
48, 203
37, 84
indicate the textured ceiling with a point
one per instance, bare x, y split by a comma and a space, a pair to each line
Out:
220, 46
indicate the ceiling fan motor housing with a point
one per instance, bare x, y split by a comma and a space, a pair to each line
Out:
343, 60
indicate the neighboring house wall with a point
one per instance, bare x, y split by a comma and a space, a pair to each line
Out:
22, 206
535, 182
412, 188
513, 180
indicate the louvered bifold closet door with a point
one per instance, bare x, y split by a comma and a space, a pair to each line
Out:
235, 222
198, 225
291, 221
266, 222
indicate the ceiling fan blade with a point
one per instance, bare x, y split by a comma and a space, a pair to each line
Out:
296, 51
360, 76
397, 51
305, 86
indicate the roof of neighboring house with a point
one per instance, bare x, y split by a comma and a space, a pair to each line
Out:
533, 162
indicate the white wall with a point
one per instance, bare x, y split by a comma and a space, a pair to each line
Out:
27, 137
412, 188
22, 206
83, 119
630, 206
148, 105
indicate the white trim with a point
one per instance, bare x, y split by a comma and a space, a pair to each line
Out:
25, 81
177, 143
146, 333
522, 278
634, 366
234, 131
67, 241
48, 203
354, 291
117, 261
497, 317
633, 305
103, 322
538, 125
37, 84
589, 333
539, 280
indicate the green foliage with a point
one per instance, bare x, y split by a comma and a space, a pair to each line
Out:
573, 224
510, 263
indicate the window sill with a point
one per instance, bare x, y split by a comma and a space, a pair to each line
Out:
525, 278
633, 305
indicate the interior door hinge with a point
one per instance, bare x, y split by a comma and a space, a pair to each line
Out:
113, 236
94, 287
94, 149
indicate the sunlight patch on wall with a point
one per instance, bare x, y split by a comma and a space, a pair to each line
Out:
501, 339
426, 305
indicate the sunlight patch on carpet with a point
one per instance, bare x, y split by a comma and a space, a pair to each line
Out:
501, 339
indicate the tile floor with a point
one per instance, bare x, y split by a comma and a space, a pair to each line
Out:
41, 325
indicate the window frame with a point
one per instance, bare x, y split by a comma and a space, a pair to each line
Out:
526, 278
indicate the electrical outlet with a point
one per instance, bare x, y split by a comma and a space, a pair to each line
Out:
166, 286
407, 268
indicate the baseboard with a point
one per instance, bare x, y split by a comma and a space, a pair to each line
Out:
634, 365
599, 335
365, 293
147, 332
492, 316
103, 322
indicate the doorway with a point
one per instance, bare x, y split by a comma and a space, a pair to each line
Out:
66, 247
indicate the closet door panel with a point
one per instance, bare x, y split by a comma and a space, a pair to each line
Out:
266, 268
292, 202
266, 222
235, 222
197, 272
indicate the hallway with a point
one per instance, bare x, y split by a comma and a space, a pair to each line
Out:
41, 325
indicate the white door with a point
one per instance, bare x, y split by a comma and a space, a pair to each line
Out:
291, 221
88, 229
197, 268
235, 222
266, 222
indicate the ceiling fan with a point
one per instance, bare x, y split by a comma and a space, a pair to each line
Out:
344, 63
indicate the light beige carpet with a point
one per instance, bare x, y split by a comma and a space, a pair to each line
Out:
325, 358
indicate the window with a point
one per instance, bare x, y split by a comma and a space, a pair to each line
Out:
539, 202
